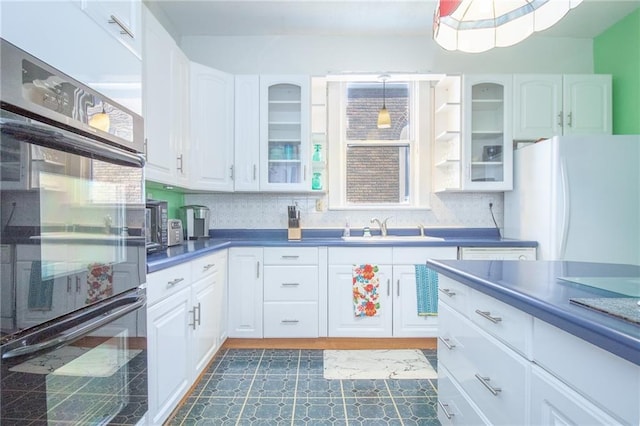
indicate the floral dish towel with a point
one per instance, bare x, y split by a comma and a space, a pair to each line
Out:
99, 282
365, 290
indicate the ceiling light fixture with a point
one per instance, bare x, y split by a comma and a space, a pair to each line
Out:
479, 25
384, 119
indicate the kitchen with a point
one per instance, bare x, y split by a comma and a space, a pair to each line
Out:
317, 55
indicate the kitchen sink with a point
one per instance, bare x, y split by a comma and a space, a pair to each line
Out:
393, 238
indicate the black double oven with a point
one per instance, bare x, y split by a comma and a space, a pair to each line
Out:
73, 285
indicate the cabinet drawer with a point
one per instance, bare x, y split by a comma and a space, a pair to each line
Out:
510, 325
205, 266
353, 256
605, 379
167, 281
290, 283
291, 256
285, 319
454, 407
412, 256
453, 293
493, 376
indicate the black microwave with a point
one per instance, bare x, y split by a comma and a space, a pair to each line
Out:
157, 215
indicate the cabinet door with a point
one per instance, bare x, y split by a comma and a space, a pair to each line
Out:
180, 126
406, 321
30, 313
537, 106
343, 321
169, 348
121, 19
245, 292
159, 52
284, 133
211, 156
247, 133
587, 104
488, 144
204, 322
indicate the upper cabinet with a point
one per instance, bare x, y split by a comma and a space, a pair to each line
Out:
447, 135
547, 105
121, 19
247, 133
487, 141
211, 150
166, 105
284, 133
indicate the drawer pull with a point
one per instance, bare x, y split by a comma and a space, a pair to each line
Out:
199, 317
290, 257
487, 315
290, 284
193, 315
124, 30
174, 282
208, 266
289, 321
444, 409
447, 291
485, 382
446, 343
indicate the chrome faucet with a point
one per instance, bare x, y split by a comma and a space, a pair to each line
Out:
382, 225
421, 228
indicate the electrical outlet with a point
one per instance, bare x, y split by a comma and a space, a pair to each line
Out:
319, 205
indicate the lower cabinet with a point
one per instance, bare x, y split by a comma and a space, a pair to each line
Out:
245, 292
186, 323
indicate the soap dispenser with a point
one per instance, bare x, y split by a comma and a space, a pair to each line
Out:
347, 229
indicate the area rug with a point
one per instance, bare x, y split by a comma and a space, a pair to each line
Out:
78, 361
377, 364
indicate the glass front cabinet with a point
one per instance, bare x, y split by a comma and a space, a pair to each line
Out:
487, 141
284, 133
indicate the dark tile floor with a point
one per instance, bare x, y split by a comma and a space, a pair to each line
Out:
286, 387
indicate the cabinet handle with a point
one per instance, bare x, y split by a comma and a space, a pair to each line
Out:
199, 314
208, 266
255, 172
258, 269
231, 172
144, 148
447, 291
560, 119
77, 284
174, 282
123, 28
444, 409
286, 321
487, 315
290, 284
446, 343
193, 316
388, 287
289, 257
570, 121
398, 289
68, 284
485, 382
179, 163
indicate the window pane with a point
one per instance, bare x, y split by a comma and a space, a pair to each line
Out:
364, 101
377, 174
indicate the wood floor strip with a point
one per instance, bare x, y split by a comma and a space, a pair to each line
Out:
333, 343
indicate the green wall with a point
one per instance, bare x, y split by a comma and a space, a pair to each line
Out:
617, 52
173, 198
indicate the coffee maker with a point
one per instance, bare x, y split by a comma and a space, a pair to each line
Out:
195, 220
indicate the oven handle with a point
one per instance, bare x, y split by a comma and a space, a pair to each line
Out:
96, 317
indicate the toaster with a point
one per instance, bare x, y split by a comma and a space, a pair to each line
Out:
174, 228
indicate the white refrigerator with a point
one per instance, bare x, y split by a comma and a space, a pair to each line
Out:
579, 197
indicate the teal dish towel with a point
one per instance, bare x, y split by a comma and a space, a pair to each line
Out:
40, 291
427, 288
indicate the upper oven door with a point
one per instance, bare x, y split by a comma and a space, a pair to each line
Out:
73, 212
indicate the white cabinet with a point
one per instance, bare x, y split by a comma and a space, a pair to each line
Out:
487, 142
186, 326
166, 105
547, 105
497, 253
247, 133
447, 97
211, 150
121, 19
397, 295
291, 292
245, 292
284, 133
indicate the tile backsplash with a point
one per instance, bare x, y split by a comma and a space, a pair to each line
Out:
269, 211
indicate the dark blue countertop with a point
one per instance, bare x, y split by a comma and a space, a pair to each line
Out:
534, 287
220, 239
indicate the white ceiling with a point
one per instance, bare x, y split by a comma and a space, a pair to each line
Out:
351, 17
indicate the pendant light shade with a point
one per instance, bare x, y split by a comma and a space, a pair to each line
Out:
100, 121
479, 25
384, 119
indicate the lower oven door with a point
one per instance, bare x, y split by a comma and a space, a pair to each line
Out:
88, 367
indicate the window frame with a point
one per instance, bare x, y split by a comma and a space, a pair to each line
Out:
420, 121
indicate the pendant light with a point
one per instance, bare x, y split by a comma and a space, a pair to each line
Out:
100, 120
384, 119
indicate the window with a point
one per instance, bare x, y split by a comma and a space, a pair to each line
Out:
372, 168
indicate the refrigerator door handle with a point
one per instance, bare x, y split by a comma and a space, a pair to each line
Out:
76, 325
566, 209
